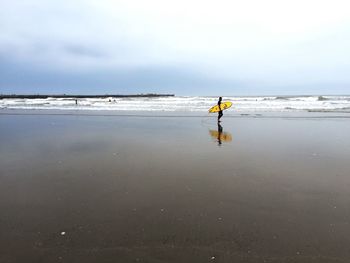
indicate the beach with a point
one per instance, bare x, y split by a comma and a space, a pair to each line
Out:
165, 187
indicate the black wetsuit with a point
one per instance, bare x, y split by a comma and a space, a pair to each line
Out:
220, 112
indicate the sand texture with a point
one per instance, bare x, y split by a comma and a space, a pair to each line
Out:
164, 189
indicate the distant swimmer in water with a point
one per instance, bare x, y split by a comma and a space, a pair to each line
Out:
220, 112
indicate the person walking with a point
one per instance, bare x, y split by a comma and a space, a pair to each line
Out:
220, 112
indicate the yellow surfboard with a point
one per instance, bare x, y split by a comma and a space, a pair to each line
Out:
223, 106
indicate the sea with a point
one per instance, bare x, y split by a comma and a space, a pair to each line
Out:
186, 103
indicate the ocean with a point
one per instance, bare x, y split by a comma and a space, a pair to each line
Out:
187, 103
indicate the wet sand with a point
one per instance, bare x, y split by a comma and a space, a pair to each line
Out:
161, 189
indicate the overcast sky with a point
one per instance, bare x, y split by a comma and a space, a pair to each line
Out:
186, 47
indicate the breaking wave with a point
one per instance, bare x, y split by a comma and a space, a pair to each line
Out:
192, 104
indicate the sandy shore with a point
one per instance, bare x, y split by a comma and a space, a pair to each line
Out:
158, 189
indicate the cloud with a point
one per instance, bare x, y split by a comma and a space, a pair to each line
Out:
19, 78
273, 43
83, 51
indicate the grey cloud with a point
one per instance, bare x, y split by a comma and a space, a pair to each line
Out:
21, 78
83, 51
48, 46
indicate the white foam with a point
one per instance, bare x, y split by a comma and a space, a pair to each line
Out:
196, 104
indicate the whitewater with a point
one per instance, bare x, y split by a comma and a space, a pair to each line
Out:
186, 103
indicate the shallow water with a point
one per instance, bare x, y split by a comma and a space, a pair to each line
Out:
162, 189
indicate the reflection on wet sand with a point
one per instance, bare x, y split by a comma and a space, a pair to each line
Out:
150, 189
220, 136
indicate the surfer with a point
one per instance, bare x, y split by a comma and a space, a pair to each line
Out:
220, 112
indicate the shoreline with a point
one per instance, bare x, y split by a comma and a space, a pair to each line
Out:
172, 114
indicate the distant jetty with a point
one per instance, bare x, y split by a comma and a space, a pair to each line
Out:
42, 96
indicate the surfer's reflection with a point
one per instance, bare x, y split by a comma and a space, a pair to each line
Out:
220, 136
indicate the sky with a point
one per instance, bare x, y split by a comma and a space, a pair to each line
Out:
183, 47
